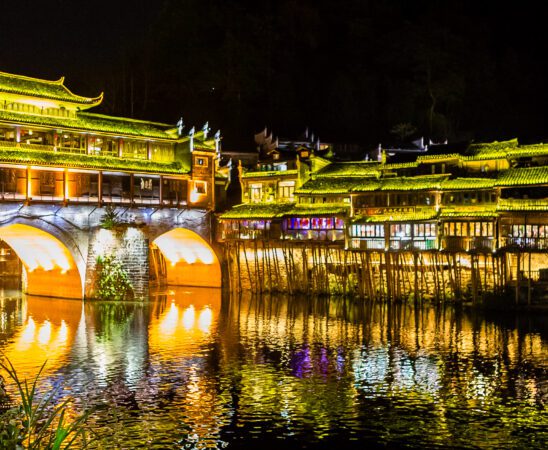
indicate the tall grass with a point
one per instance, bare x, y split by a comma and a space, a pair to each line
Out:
38, 423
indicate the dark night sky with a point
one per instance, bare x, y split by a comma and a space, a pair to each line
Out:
350, 70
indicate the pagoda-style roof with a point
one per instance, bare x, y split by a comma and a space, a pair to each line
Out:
257, 211
526, 204
528, 176
13, 155
349, 169
468, 212
468, 183
394, 216
45, 89
269, 173
90, 122
279, 210
337, 185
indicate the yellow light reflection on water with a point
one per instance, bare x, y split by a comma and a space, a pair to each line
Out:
188, 317
46, 334
205, 319
186, 322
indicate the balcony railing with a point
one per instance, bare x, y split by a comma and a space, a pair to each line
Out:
420, 244
465, 244
314, 235
367, 243
525, 243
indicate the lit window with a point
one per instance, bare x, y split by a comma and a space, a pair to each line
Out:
200, 187
201, 161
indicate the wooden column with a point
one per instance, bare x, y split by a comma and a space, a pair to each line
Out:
100, 189
161, 193
131, 187
29, 185
120, 147
65, 186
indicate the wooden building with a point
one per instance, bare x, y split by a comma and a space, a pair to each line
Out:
52, 149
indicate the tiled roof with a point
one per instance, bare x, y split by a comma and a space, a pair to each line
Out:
35, 87
73, 160
92, 122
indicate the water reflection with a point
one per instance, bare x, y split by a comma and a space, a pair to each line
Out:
188, 369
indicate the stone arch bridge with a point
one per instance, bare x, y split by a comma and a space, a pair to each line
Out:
59, 245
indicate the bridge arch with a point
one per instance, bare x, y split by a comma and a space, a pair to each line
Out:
190, 259
51, 268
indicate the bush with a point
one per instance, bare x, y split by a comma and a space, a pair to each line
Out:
112, 280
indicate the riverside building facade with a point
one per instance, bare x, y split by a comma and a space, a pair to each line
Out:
481, 214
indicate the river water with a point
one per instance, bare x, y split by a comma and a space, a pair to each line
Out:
192, 369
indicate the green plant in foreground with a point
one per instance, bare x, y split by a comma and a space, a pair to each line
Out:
38, 424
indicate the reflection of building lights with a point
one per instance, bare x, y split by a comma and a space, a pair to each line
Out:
27, 336
169, 322
188, 317
62, 335
205, 319
44, 334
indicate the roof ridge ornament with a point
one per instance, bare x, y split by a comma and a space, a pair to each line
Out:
180, 126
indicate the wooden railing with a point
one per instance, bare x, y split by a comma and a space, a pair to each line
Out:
525, 243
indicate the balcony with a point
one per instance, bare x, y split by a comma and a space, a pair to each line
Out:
525, 243
466, 244
416, 244
314, 235
367, 243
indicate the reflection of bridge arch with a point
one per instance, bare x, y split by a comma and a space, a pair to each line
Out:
51, 268
190, 260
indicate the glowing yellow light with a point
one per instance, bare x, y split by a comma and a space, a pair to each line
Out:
27, 336
62, 334
44, 334
205, 319
36, 248
188, 317
185, 245
169, 322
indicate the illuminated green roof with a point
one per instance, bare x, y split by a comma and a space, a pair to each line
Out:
505, 150
412, 216
269, 173
303, 209
393, 166
72, 160
349, 169
413, 183
468, 183
494, 146
336, 185
468, 212
35, 87
529, 151
438, 157
257, 211
522, 205
523, 177
93, 122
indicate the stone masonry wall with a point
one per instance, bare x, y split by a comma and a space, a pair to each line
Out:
130, 246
